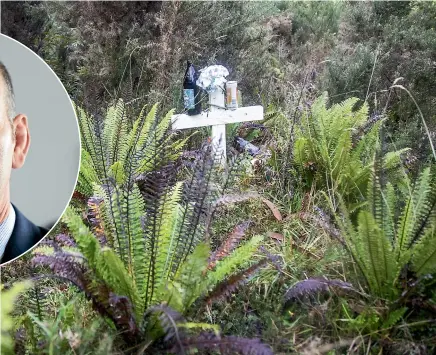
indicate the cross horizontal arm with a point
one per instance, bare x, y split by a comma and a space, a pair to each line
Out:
218, 117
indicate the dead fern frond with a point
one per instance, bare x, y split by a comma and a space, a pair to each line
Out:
229, 286
314, 286
229, 245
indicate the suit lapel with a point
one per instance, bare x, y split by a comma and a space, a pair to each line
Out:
24, 236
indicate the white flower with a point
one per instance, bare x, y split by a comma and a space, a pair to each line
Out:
212, 77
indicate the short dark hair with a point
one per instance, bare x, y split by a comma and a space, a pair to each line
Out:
9, 94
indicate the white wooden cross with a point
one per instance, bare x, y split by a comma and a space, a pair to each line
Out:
218, 117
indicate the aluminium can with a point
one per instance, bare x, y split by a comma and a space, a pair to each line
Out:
232, 95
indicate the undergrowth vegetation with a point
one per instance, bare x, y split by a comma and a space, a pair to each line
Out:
322, 243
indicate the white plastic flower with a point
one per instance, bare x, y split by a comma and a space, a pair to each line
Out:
212, 77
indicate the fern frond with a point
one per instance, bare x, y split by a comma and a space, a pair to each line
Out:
229, 244
134, 213
425, 205
416, 210
153, 143
240, 257
170, 214
111, 269
107, 265
394, 317
95, 218
424, 253
92, 142
38, 303
197, 201
118, 206
122, 311
375, 254
73, 268
87, 175
86, 242
65, 266
115, 132
64, 240
169, 320
7, 300
314, 286
225, 288
190, 276
101, 193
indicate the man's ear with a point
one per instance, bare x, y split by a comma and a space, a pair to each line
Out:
22, 141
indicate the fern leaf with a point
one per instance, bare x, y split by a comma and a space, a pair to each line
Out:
225, 288
115, 131
340, 155
86, 242
314, 286
96, 219
424, 253
104, 262
375, 254
190, 277
393, 318
416, 209
425, 202
170, 211
229, 245
169, 321
233, 262
134, 213
197, 202
105, 220
7, 300
87, 175
91, 136
116, 172
112, 270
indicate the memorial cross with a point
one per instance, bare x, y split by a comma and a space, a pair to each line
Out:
218, 117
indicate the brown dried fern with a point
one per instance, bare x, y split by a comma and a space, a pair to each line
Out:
225, 288
229, 244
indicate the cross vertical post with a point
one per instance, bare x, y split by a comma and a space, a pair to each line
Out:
217, 104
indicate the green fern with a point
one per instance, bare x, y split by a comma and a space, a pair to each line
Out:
7, 299
424, 253
335, 147
115, 148
382, 244
144, 242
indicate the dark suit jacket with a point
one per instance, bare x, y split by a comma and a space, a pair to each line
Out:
24, 236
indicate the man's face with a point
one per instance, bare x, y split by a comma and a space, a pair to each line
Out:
6, 141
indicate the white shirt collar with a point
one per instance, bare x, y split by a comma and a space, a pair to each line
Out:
6, 229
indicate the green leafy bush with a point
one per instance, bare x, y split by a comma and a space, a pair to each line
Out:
143, 252
383, 242
335, 147
7, 299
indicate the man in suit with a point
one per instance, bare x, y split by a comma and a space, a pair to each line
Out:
17, 233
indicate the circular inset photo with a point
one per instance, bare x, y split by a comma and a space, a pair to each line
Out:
39, 149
